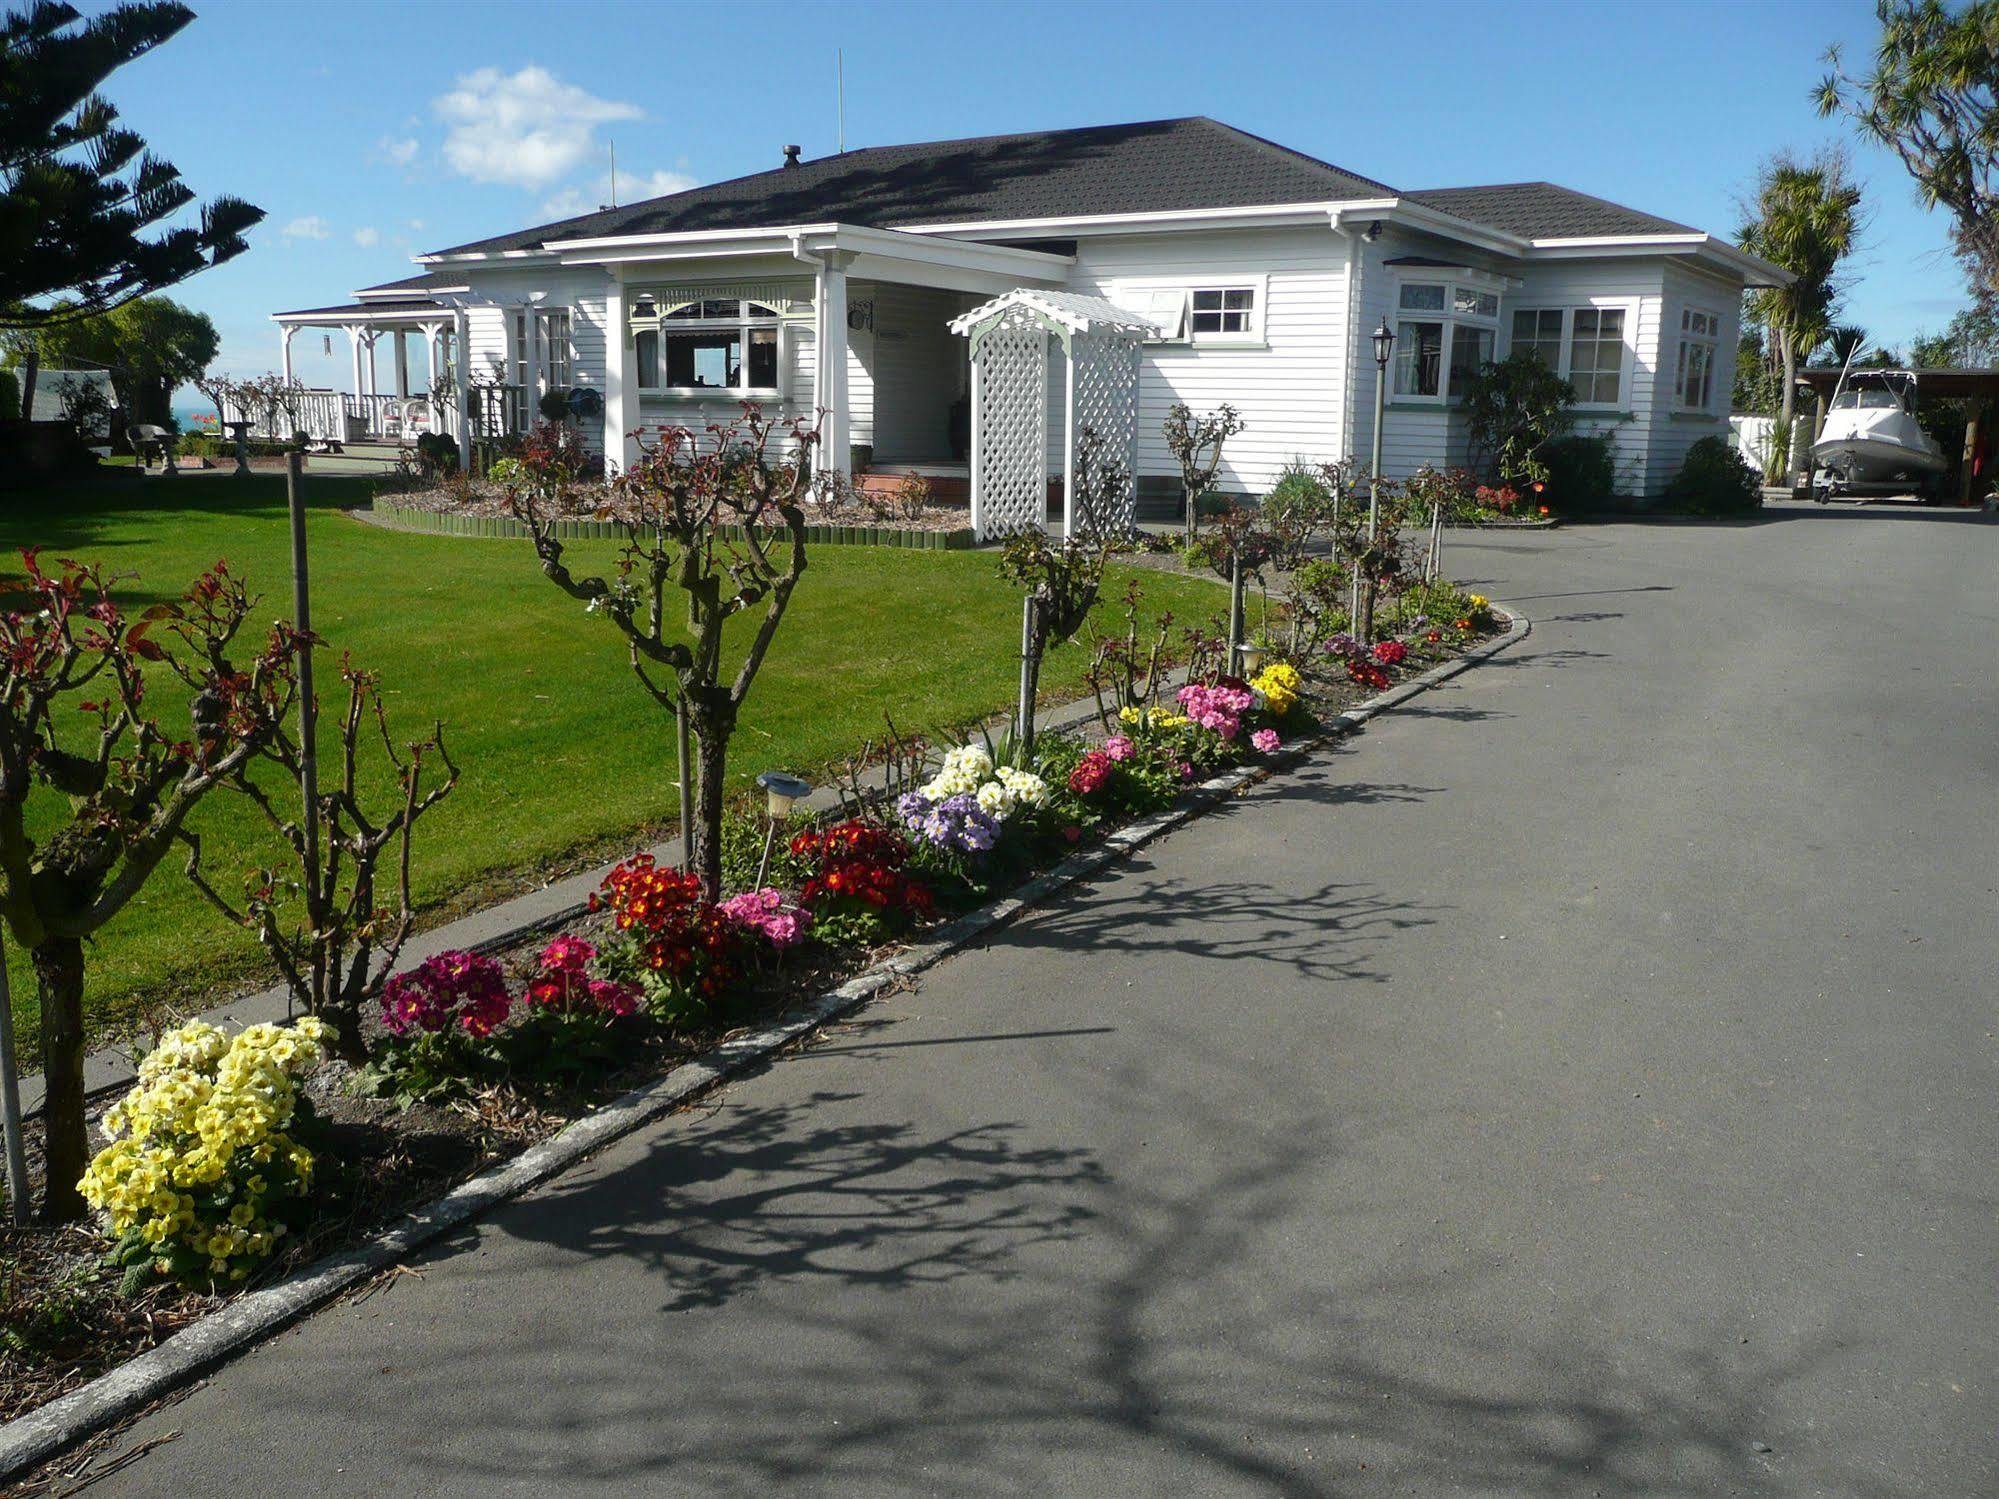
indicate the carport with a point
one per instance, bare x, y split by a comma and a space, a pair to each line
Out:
1980, 387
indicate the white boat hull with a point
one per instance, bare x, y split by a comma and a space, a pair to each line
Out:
1877, 460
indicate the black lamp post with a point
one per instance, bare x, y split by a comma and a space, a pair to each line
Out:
1384, 347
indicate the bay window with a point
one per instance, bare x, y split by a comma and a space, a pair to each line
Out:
1444, 334
1584, 345
1596, 355
1693, 378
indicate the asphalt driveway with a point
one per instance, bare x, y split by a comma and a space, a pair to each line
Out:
1580, 1083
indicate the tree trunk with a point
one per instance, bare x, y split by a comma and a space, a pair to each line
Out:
1787, 415
59, 976
713, 721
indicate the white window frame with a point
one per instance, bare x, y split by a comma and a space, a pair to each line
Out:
1171, 302
660, 327
1452, 281
532, 344
1690, 338
1629, 306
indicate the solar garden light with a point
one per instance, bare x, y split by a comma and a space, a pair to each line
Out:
780, 791
1249, 659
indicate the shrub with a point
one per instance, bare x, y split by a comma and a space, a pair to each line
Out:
1299, 499
1514, 409
1715, 481
201, 1178
1580, 470
436, 454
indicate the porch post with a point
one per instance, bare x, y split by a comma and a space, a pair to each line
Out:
978, 469
461, 347
832, 366
621, 379
353, 332
285, 332
402, 364
531, 353
1068, 436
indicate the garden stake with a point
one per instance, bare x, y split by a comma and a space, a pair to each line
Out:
308, 707
1235, 610
10, 1102
1023, 721
686, 797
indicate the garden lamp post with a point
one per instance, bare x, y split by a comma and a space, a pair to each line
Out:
1384, 346
1249, 659
780, 791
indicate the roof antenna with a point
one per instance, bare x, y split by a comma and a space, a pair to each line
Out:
614, 174
840, 66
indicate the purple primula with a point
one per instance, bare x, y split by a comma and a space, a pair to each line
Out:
956, 824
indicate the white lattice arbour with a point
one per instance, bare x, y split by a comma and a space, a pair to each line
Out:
1010, 338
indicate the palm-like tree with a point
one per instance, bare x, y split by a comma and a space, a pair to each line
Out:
1807, 217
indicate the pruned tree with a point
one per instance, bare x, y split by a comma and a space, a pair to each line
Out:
117, 792
328, 923
1196, 445
1932, 97
672, 507
85, 207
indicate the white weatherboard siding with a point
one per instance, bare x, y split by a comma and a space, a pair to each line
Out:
918, 369
1290, 387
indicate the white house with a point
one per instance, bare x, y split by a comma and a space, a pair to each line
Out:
1258, 272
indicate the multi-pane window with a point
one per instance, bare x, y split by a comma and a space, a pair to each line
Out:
542, 359
1433, 354
715, 343
1596, 354
1224, 312
1693, 377
1538, 331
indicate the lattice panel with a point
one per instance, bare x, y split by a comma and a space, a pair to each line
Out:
1106, 367
1010, 477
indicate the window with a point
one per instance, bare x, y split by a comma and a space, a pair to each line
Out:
1225, 312
1471, 346
1419, 358
707, 344
1433, 354
1693, 376
542, 359
1596, 355
1538, 331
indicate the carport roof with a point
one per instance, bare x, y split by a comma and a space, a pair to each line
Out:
1943, 382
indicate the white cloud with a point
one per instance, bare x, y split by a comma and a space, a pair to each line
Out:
416, 223
398, 153
632, 187
367, 236
528, 128
308, 226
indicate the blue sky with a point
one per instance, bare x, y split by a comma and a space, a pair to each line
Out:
371, 131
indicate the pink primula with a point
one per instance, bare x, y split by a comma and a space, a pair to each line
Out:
1265, 741
1219, 708
1119, 748
767, 913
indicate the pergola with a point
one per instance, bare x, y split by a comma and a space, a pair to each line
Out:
1010, 341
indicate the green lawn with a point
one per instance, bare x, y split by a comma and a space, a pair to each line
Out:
563, 754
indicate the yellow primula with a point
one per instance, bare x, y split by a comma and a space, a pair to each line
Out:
1280, 684
199, 1154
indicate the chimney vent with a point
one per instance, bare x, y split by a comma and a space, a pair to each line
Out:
791, 156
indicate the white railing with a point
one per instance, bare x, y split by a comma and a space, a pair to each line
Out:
317, 413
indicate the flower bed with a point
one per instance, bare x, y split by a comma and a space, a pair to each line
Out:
237, 1159
402, 515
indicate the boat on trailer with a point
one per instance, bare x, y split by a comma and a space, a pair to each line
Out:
1872, 442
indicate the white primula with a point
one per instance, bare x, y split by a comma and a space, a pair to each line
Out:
1024, 784
995, 800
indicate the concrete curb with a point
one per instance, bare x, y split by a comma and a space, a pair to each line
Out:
40, 1434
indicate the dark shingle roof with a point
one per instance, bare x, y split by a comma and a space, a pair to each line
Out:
422, 282
1159, 166
1542, 210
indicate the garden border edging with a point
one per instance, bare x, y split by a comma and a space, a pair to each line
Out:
202, 1345
393, 517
